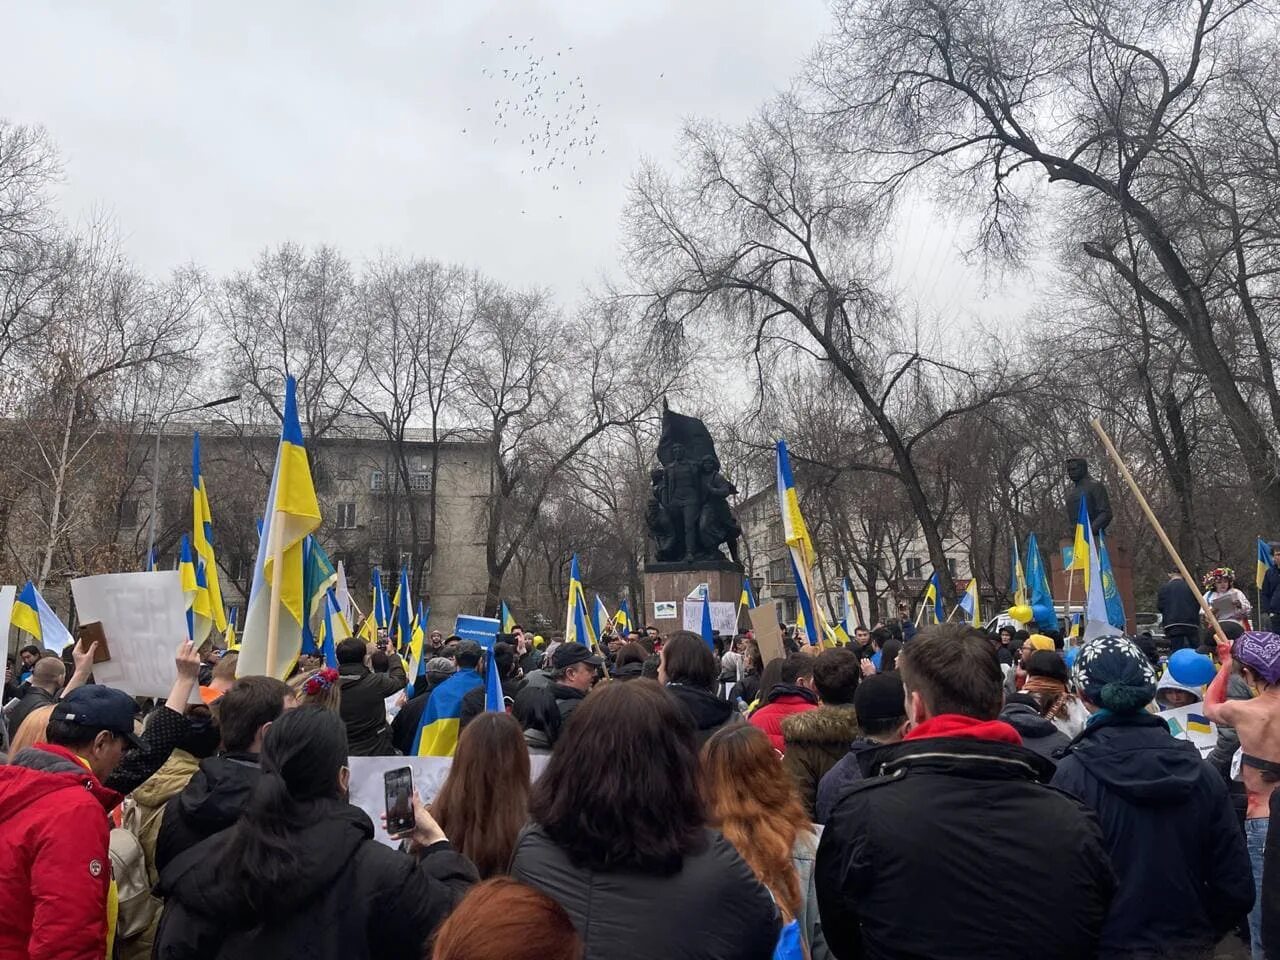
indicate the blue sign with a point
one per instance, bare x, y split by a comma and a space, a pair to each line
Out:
483, 630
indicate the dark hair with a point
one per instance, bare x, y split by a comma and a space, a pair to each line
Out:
649, 670
301, 756
621, 789
955, 670
1047, 663
503, 918
68, 733
879, 637
32, 649
796, 666
202, 736
468, 656
484, 803
688, 660
630, 652
889, 656
504, 654
379, 662
836, 673
251, 702
770, 677
351, 650
536, 709
879, 726
895, 630
1009, 630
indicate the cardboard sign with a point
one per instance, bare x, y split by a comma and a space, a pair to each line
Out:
767, 633
483, 630
1190, 723
724, 617
144, 617
664, 610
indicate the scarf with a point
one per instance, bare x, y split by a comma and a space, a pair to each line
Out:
1055, 693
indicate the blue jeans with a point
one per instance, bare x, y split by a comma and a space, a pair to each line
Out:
1255, 836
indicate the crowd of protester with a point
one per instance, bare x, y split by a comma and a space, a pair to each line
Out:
935, 793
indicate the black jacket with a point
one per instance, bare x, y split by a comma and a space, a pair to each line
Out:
212, 801
846, 772
1037, 733
713, 909
33, 699
364, 709
1182, 870
708, 711
908, 857
567, 699
1178, 605
349, 897
1270, 598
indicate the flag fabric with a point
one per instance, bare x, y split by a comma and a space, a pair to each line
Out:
1115, 606
329, 638
381, 612
493, 701
292, 513
403, 621
577, 625
933, 599
340, 590
799, 544
1077, 623
1041, 600
229, 638
708, 634
1080, 548
32, 615
507, 617
970, 603
209, 612
1263, 564
438, 730
153, 560
748, 596
417, 636
600, 618
190, 586
1096, 622
850, 611
1018, 579
369, 629
319, 577
622, 619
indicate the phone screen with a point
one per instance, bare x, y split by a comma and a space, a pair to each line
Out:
399, 796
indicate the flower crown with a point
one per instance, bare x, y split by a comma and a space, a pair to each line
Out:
1216, 574
320, 681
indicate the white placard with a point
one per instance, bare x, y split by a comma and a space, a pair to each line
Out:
429, 773
1179, 719
8, 594
664, 610
144, 617
724, 617
699, 592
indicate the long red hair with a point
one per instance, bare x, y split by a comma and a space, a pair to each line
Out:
502, 918
753, 802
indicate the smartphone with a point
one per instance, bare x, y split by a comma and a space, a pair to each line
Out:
91, 633
398, 784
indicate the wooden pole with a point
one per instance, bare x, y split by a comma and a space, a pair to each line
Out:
1155, 525
273, 614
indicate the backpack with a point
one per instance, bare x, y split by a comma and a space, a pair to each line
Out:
137, 908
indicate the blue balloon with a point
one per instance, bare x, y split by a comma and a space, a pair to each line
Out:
1191, 668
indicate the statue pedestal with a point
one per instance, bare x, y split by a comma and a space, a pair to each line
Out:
1121, 566
668, 585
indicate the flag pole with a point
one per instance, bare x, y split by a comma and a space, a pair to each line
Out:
273, 614
1159, 530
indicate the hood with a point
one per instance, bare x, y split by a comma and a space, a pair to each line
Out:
351, 673
629, 671
708, 710
36, 772
168, 781
323, 843
1137, 758
827, 724
536, 739
219, 790
1029, 724
955, 725
1168, 683
793, 693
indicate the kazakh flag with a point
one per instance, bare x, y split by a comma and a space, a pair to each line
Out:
577, 625
1115, 606
507, 618
799, 545
1080, 549
708, 634
933, 598
418, 633
32, 615
207, 611
292, 513
191, 592
318, 578
622, 619
1042, 609
438, 730
1264, 561
970, 605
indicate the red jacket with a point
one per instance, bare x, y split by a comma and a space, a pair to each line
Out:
782, 702
55, 870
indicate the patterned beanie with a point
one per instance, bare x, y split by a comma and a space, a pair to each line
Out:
1115, 674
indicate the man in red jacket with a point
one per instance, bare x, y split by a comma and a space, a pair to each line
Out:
55, 869
795, 694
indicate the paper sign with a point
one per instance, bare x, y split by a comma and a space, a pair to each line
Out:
724, 617
8, 594
664, 610
1190, 723
144, 618
699, 592
768, 635
429, 773
483, 630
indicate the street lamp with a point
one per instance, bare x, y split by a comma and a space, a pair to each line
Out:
155, 476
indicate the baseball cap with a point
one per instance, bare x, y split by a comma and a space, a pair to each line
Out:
468, 653
567, 654
97, 706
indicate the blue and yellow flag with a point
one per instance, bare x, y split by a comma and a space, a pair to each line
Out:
381, 611
800, 546
622, 619
191, 591
292, 513
229, 638
933, 599
1264, 562
850, 611
417, 637
333, 631
577, 625
1080, 548
208, 611
1041, 600
493, 700
600, 618
318, 578
506, 617
1018, 579
152, 561
32, 615
402, 622
747, 598
969, 603
438, 729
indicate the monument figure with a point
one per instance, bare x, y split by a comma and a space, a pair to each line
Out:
1094, 493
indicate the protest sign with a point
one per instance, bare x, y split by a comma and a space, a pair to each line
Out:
1190, 723
483, 630
767, 633
724, 617
7, 595
144, 618
664, 610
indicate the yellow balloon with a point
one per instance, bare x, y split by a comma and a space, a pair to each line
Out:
1022, 614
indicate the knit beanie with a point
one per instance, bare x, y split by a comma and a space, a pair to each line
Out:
1114, 674
879, 697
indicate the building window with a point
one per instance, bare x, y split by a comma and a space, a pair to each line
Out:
128, 513
377, 481
914, 565
420, 482
346, 516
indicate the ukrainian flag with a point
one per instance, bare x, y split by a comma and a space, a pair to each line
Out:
230, 636
438, 729
152, 561
799, 544
292, 513
493, 699
505, 615
623, 619
849, 612
32, 615
208, 610
577, 625
381, 612
417, 635
191, 588
748, 596
970, 605
333, 630
1264, 561
1080, 549
1018, 579
933, 598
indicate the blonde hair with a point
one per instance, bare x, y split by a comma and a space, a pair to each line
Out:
324, 692
31, 731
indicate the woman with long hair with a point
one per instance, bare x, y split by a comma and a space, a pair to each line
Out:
502, 918
620, 840
300, 876
31, 730
538, 714
319, 687
753, 803
1047, 679
484, 802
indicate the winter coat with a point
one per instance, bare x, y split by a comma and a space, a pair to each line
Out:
708, 711
908, 855
1182, 870
803, 856
1038, 734
1270, 599
815, 742
567, 699
363, 707
211, 801
145, 806
1178, 607
538, 742
782, 701
163, 731
55, 872
746, 689
629, 671
33, 699
348, 898
844, 774
714, 908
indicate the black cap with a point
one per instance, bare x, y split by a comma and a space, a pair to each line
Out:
97, 706
468, 653
880, 697
567, 654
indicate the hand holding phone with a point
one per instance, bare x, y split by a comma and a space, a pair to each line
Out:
398, 784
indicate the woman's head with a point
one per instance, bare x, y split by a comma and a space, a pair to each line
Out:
306, 749
1220, 579
770, 676
889, 655
318, 687
535, 708
31, 731
502, 918
484, 802
630, 652
686, 659
621, 789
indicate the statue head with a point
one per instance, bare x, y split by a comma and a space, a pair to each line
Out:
1077, 469
709, 464
677, 451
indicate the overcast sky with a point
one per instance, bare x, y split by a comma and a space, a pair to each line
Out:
208, 131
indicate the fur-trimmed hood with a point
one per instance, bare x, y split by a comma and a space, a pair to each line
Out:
827, 724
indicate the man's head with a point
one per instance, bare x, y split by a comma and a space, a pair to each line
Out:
951, 668
798, 669
836, 673
1259, 654
95, 723
575, 666
651, 632
29, 655
880, 706
49, 674
468, 655
246, 710
686, 659
440, 669
351, 650
435, 640
861, 636
224, 671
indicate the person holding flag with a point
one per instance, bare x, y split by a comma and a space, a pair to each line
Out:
364, 692
438, 728
622, 619
1269, 584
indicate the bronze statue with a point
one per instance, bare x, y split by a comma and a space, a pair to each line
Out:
1097, 500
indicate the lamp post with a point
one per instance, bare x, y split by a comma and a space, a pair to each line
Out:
155, 475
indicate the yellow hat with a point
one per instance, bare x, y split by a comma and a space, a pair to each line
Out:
1039, 641
538, 641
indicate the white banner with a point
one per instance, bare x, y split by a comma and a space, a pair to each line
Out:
8, 594
724, 617
664, 609
1190, 723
